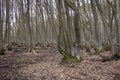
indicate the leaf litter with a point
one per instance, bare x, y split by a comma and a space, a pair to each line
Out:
45, 64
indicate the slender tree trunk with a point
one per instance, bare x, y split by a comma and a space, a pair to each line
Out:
29, 26
7, 30
69, 25
119, 23
96, 25
104, 19
1, 26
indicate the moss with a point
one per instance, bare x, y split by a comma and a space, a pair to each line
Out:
106, 47
81, 59
96, 49
69, 58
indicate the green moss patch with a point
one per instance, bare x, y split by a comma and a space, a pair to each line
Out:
106, 47
69, 58
97, 52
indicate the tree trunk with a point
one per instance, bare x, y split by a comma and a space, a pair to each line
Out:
29, 27
1, 27
7, 30
104, 19
96, 25
72, 5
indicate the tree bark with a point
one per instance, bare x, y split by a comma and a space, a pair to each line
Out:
104, 19
29, 27
72, 5
96, 25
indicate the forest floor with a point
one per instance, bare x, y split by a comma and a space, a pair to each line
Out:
45, 64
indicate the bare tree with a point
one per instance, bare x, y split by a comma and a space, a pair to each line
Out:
29, 26
96, 25
1, 25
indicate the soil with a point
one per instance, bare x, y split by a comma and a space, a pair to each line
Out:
45, 64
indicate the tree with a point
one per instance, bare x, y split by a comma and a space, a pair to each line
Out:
76, 26
96, 25
29, 26
104, 19
1, 26
7, 30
